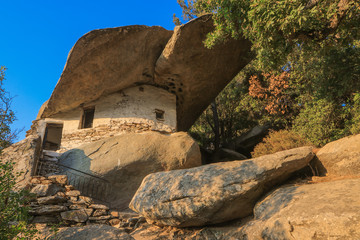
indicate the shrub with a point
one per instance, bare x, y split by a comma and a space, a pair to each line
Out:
279, 141
13, 212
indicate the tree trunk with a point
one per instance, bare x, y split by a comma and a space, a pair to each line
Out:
216, 125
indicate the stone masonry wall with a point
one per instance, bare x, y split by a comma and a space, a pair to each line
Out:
56, 202
88, 135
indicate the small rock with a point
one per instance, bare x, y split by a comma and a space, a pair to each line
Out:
77, 201
60, 179
114, 214
43, 190
99, 206
51, 200
35, 180
114, 222
73, 193
73, 199
88, 200
99, 212
60, 194
46, 182
100, 218
76, 207
89, 211
69, 187
75, 216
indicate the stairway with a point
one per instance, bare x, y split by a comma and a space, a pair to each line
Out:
48, 163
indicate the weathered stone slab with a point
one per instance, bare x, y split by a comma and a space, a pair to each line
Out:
99, 212
214, 193
25, 155
328, 210
341, 157
75, 215
195, 73
99, 206
120, 161
43, 190
51, 200
105, 61
47, 209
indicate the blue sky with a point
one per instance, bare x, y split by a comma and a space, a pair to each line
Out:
36, 37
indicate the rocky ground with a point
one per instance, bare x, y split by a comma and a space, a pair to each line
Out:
261, 198
295, 194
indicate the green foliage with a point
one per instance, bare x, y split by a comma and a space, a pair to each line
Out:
354, 122
315, 42
279, 141
13, 213
325, 84
320, 122
276, 28
188, 11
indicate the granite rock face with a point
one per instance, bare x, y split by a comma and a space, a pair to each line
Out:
123, 161
195, 73
92, 232
25, 155
105, 61
328, 210
214, 193
341, 157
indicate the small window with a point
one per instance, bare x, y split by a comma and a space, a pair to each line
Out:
88, 117
159, 114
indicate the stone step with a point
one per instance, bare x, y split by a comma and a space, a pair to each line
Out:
51, 153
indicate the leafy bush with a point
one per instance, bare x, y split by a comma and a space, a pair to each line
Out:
355, 112
279, 141
321, 122
13, 212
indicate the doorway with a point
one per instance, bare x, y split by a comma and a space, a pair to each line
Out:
52, 137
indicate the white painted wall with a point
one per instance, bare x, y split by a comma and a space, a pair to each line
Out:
132, 105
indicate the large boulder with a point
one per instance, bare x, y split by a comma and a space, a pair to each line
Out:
25, 155
341, 157
214, 193
123, 161
104, 61
328, 210
197, 74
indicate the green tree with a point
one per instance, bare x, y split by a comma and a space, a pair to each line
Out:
277, 28
315, 43
13, 212
7, 116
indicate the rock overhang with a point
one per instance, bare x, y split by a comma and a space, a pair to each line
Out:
108, 60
